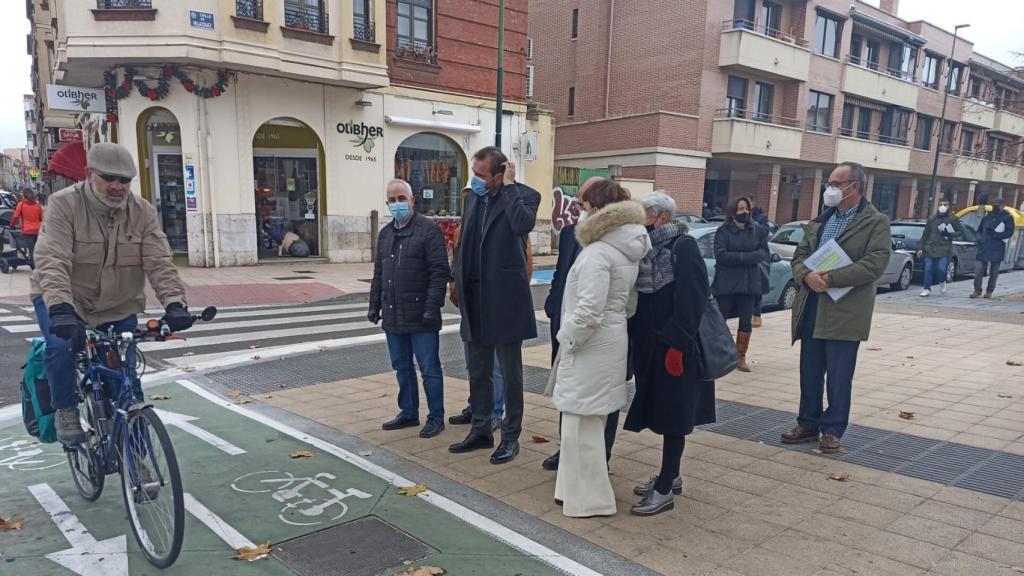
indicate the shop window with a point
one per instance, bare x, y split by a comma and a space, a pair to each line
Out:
435, 168
163, 184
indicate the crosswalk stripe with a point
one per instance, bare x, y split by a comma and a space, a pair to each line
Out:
216, 326
9, 319
272, 311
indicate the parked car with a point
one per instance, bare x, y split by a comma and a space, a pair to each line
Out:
783, 288
689, 218
961, 263
897, 275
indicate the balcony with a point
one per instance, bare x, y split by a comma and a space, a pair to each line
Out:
1003, 173
124, 10
890, 87
970, 167
977, 113
1009, 123
734, 133
747, 46
873, 154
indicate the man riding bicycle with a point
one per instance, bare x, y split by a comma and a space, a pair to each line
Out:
98, 244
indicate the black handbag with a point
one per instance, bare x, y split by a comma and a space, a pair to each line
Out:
717, 347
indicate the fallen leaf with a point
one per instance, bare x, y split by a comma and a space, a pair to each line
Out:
256, 357
283, 385
243, 401
1006, 395
159, 397
423, 571
250, 554
1014, 363
188, 369
365, 453
301, 454
412, 490
875, 348
323, 348
13, 523
910, 357
233, 394
538, 439
906, 415
839, 477
189, 354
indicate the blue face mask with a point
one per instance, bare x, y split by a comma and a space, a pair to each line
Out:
399, 211
478, 185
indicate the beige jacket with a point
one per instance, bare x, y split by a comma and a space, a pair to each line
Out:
98, 258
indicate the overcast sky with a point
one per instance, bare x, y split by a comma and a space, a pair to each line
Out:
995, 31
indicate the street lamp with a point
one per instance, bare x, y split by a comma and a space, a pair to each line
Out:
942, 119
500, 96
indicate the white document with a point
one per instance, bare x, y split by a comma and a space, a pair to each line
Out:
830, 256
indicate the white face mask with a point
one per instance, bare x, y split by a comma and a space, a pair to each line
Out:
834, 196
943, 209
583, 216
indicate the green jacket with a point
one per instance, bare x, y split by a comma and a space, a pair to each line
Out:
867, 241
936, 244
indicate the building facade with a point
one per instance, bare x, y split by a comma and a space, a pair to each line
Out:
715, 99
42, 125
251, 119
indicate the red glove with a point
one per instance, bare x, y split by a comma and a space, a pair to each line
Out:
674, 362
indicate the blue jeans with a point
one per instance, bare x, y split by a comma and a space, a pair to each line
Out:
826, 367
758, 301
59, 359
425, 347
934, 266
499, 387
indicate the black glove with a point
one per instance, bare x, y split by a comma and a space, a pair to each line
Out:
65, 324
432, 317
177, 317
373, 316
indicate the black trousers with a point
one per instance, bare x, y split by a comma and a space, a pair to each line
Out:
993, 275
480, 365
738, 306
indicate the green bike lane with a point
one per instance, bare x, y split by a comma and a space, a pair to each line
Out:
243, 485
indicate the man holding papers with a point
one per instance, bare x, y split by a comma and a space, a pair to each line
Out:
843, 254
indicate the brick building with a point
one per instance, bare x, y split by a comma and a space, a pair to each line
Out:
713, 99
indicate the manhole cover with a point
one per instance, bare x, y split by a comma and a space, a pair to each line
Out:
364, 547
294, 278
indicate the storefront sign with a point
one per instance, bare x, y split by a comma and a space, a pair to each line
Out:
33, 173
365, 138
191, 200
69, 135
202, 20
75, 98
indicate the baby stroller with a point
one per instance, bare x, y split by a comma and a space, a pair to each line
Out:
14, 250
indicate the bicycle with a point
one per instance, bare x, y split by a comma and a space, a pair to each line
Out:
120, 429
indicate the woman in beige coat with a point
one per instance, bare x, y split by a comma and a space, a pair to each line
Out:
590, 371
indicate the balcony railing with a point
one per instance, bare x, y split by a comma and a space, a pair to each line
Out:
312, 20
863, 63
409, 49
249, 9
123, 4
755, 116
875, 137
363, 29
758, 28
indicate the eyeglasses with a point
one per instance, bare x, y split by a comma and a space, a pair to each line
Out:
112, 178
839, 184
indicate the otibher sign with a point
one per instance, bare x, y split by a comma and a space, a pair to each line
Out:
75, 99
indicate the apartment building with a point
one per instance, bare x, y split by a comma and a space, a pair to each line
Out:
42, 125
250, 119
715, 99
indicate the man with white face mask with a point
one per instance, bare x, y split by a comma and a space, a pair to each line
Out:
98, 245
937, 245
831, 332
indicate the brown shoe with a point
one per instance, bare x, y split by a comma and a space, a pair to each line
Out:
829, 444
756, 322
799, 435
988, 295
975, 294
742, 345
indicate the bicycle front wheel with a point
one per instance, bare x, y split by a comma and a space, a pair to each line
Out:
151, 484
85, 459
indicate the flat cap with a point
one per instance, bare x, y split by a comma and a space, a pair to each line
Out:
113, 159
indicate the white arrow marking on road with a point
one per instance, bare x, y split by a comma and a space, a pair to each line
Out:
86, 557
225, 531
182, 422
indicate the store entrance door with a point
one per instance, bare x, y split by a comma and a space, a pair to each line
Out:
169, 197
287, 206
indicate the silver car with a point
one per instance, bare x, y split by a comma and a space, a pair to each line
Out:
897, 274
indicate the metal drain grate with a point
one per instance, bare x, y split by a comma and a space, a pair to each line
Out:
364, 547
294, 278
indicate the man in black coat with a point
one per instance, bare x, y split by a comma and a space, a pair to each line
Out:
995, 229
410, 275
494, 296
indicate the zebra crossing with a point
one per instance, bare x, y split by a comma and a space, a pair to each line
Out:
243, 334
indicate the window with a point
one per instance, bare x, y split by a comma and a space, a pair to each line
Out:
874, 51
849, 111
856, 41
789, 235
923, 133
736, 98
771, 18
306, 15
956, 72
864, 123
930, 75
908, 65
249, 9
1004, 97
743, 14
764, 99
895, 124
575, 23
976, 87
996, 149
967, 142
415, 23
826, 35
572, 101
948, 137
362, 20
819, 111
434, 166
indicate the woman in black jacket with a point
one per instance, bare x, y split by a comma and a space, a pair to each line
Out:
740, 248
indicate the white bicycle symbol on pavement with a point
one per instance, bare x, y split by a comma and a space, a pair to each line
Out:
287, 489
25, 453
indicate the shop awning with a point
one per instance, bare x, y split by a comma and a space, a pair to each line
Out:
431, 124
69, 161
886, 29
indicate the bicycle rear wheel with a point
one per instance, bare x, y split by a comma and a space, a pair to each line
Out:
84, 459
151, 484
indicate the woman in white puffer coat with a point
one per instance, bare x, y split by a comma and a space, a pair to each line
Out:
589, 375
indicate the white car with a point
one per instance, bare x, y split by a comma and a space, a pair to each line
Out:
896, 276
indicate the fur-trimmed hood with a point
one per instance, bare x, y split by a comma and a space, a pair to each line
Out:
620, 225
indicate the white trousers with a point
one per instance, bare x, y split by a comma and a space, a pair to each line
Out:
583, 485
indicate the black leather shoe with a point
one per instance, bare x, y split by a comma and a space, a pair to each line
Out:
506, 452
462, 418
551, 462
471, 443
433, 427
401, 421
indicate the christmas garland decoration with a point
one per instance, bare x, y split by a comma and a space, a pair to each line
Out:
120, 89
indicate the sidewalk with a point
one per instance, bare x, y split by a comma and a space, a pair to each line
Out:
940, 493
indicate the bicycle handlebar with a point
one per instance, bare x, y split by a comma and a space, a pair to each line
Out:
155, 328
